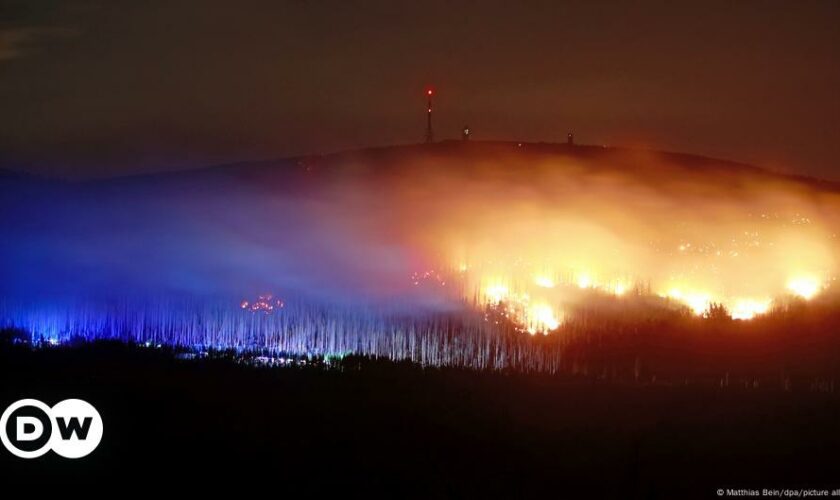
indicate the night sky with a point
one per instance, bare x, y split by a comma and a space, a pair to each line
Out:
102, 88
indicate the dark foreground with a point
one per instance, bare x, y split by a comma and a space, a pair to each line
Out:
397, 430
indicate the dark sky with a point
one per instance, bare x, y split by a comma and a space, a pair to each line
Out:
91, 88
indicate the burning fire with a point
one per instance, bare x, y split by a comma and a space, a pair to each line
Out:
264, 303
544, 281
530, 315
549, 237
750, 308
535, 305
541, 318
805, 287
699, 276
698, 302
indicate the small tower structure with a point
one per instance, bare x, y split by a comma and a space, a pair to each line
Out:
430, 136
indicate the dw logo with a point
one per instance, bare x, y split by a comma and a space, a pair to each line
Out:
72, 428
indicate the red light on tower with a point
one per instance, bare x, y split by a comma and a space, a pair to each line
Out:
429, 135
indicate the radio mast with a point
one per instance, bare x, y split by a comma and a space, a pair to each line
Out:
430, 136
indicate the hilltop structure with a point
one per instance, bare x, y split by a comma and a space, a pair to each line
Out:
430, 136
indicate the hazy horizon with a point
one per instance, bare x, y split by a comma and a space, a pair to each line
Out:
93, 88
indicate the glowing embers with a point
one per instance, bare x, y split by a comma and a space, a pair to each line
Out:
496, 293
528, 315
540, 318
704, 304
539, 304
266, 304
806, 287
430, 277
698, 302
749, 308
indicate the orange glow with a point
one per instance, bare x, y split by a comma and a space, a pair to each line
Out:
541, 319
749, 308
544, 282
805, 287
570, 234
